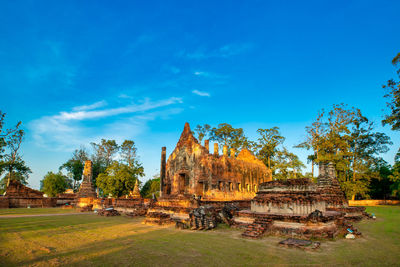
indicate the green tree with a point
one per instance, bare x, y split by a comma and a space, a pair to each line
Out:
268, 144
12, 166
202, 131
151, 187
314, 133
128, 153
232, 137
287, 165
380, 186
105, 151
103, 155
118, 179
55, 183
347, 138
393, 95
75, 165
395, 179
365, 145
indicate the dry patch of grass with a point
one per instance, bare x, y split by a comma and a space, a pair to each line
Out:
35, 211
90, 240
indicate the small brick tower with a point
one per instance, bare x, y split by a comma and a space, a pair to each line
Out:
87, 189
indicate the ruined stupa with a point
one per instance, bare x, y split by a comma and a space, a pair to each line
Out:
135, 193
87, 189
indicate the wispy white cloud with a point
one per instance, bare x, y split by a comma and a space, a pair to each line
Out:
201, 73
209, 75
66, 131
98, 104
93, 114
225, 51
201, 93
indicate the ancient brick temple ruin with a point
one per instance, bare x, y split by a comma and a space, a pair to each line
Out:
86, 197
135, 193
86, 189
20, 196
298, 207
192, 170
197, 187
193, 176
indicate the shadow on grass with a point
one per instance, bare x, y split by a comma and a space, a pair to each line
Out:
47, 223
94, 251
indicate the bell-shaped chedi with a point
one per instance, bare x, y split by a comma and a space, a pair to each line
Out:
87, 189
135, 193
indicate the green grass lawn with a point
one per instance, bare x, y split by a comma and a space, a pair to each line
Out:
91, 240
33, 211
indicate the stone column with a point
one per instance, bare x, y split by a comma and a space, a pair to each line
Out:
207, 145
216, 149
163, 169
225, 150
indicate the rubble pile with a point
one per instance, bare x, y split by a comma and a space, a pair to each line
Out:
228, 212
140, 211
257, 228
348, 228
158, 218
108, 212
86, 208
203, 218
299, 243
182, 223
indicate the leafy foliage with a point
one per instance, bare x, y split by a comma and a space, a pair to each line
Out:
55, 183
393, 95
268, 148
118, 179
227, 135
12, 166
151, 187
202, 131
347, 138
75, 165
268, 145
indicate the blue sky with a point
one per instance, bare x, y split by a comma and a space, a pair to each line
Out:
77, 71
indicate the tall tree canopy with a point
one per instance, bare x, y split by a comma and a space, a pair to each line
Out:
12, 166
225, 134
55, 183
118, 179
347, 138
74, 166
268, 144
202, 131
393, 95
103, 155
151, 187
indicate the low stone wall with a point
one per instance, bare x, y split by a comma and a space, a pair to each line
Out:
373, 202
4, 203
24, 202
123, 204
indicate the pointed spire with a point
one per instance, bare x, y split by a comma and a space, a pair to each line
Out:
186, 136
